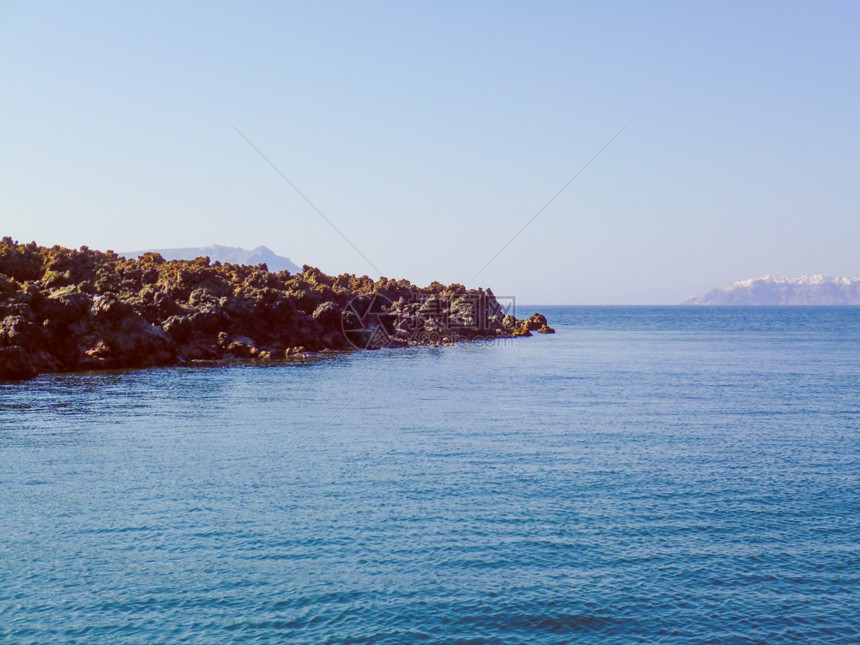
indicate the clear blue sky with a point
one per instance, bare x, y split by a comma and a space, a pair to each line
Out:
429, 133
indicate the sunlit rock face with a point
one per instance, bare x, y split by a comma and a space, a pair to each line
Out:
68, 310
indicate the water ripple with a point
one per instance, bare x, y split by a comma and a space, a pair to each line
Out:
643, 476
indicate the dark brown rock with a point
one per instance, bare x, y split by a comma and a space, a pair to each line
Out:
67, 309
108, 309
17, 330
179, 328
15, 364
535, 321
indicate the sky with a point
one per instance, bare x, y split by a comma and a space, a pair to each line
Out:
651, 150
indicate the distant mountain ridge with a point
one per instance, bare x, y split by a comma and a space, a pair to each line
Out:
816, 289
231, 254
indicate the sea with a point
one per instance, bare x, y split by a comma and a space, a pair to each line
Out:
670, 475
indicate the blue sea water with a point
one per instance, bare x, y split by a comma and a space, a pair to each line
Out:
645, 475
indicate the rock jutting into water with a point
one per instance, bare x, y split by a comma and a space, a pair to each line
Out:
69, 310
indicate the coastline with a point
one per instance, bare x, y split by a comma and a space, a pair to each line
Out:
67, 310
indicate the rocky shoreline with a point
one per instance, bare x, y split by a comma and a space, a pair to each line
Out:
65, 310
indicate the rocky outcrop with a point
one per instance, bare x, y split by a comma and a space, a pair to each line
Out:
67, 310
535, 322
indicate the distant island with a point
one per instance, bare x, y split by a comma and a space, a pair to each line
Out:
785, 290
228, 254
70, 310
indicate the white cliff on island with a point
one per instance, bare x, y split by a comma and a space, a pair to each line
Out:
816, 289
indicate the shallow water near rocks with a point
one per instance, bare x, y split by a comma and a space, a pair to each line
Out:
671, 475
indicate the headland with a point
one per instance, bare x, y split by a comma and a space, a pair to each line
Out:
66, 310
